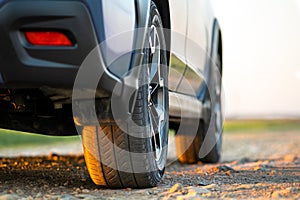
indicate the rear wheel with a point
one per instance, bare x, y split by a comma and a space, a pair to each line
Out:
119, 158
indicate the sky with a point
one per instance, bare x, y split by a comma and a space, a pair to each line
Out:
261, 75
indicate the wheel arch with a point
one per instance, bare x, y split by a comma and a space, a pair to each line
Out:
164, 10
216, 27
220, 50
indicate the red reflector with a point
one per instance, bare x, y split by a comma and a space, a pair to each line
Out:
47, 38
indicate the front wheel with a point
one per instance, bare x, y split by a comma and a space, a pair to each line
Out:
135, 156
206, 144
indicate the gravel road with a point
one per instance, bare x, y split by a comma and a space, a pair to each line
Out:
254, 165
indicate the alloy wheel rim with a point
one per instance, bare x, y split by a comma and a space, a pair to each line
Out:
218, 111
156, 92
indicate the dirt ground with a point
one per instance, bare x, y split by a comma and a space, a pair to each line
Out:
255, 165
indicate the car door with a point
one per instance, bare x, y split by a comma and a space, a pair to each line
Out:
196, 49
178, 16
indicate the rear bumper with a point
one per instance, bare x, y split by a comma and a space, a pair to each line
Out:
25, 66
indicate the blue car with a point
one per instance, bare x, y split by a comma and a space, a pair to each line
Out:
120, 73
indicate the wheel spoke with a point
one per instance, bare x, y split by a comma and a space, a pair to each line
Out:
153, 39
153, 71
154, 118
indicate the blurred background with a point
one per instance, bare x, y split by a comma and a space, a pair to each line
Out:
261, 57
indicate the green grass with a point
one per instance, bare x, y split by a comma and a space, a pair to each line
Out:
261, 125
10, 138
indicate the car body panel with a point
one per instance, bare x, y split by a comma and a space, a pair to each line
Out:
194, 50
178, 18
197, 31
119, 28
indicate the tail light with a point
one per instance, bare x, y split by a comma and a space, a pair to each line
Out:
47, 38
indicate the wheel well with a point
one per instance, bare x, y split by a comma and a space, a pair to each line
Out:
164, 11
220, 50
